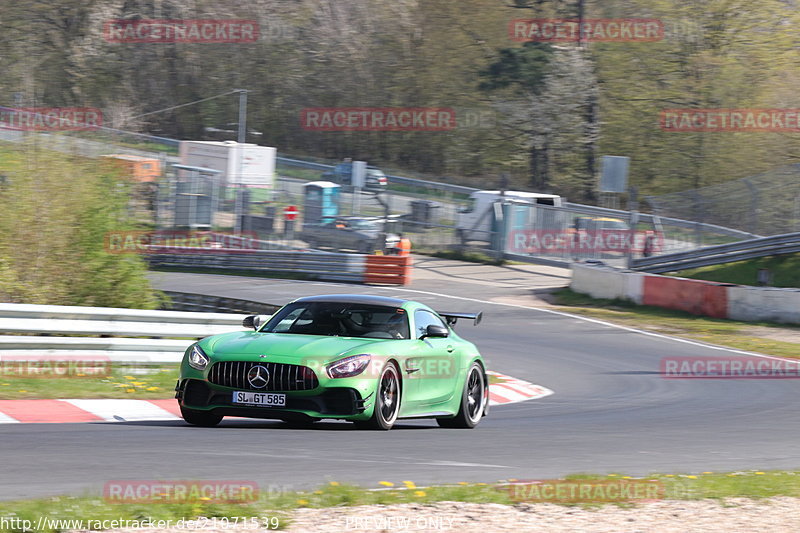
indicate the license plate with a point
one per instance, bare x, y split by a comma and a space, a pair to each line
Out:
259, 398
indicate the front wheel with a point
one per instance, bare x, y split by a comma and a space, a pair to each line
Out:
200, 418
473, 401
387, 400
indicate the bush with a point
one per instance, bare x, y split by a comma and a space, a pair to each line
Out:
55, 211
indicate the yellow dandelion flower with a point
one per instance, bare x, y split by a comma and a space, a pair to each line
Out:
708, 472
692, 477
22, 390
152, 389
205, 498
419, 493
479, 484
317, 492
334, 483
138, 383
409, 484
131, 378
759, 473
130, 390
302, 502
463, 483
386, 483
669, 475
627, 477
612, 475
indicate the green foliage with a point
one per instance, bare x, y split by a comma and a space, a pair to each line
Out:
54, 214
367, 53
524, 67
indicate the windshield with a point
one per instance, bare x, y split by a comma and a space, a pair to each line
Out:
340, 319
363, 224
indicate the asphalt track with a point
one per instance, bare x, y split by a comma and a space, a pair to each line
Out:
611, 411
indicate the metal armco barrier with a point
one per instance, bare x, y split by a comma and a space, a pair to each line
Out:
184, 301
707, 298
129, 335
355, 268
723, 253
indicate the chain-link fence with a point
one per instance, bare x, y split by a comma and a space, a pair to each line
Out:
765, 204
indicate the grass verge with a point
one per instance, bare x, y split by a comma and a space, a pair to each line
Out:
784, 269
759, 337
272, 508
131, 382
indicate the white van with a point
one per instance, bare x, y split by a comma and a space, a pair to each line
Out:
475, 219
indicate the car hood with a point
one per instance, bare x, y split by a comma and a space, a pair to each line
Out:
253, 344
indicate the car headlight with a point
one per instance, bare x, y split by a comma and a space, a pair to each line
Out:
197, 359
349, 366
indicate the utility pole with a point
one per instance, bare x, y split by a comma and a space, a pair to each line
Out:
241, 139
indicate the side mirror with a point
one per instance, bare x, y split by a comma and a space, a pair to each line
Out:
435, 330
253, 321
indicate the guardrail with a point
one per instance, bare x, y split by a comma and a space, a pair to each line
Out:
323, 266
122, 335
723, 253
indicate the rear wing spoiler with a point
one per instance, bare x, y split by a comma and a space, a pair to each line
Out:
452, 318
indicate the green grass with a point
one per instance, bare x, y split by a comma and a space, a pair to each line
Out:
785, 271
712, 330
128, 382
272, 508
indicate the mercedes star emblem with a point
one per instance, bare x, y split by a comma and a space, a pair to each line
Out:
258, 377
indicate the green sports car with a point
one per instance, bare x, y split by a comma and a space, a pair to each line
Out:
368, 359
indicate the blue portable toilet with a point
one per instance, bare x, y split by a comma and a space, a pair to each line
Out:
321, 202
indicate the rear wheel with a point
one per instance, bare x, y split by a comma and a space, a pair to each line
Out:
200, 418
473, 401
387, 400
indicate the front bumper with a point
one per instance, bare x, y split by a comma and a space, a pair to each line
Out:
332, 402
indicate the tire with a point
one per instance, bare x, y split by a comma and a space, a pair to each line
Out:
473, 401
387, 400
200, 418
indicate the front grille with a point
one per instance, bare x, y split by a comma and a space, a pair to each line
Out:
282, 377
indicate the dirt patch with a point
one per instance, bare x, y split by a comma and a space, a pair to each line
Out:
774, 334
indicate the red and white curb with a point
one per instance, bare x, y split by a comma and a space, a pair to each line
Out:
513, 390
508, 390
45, 411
